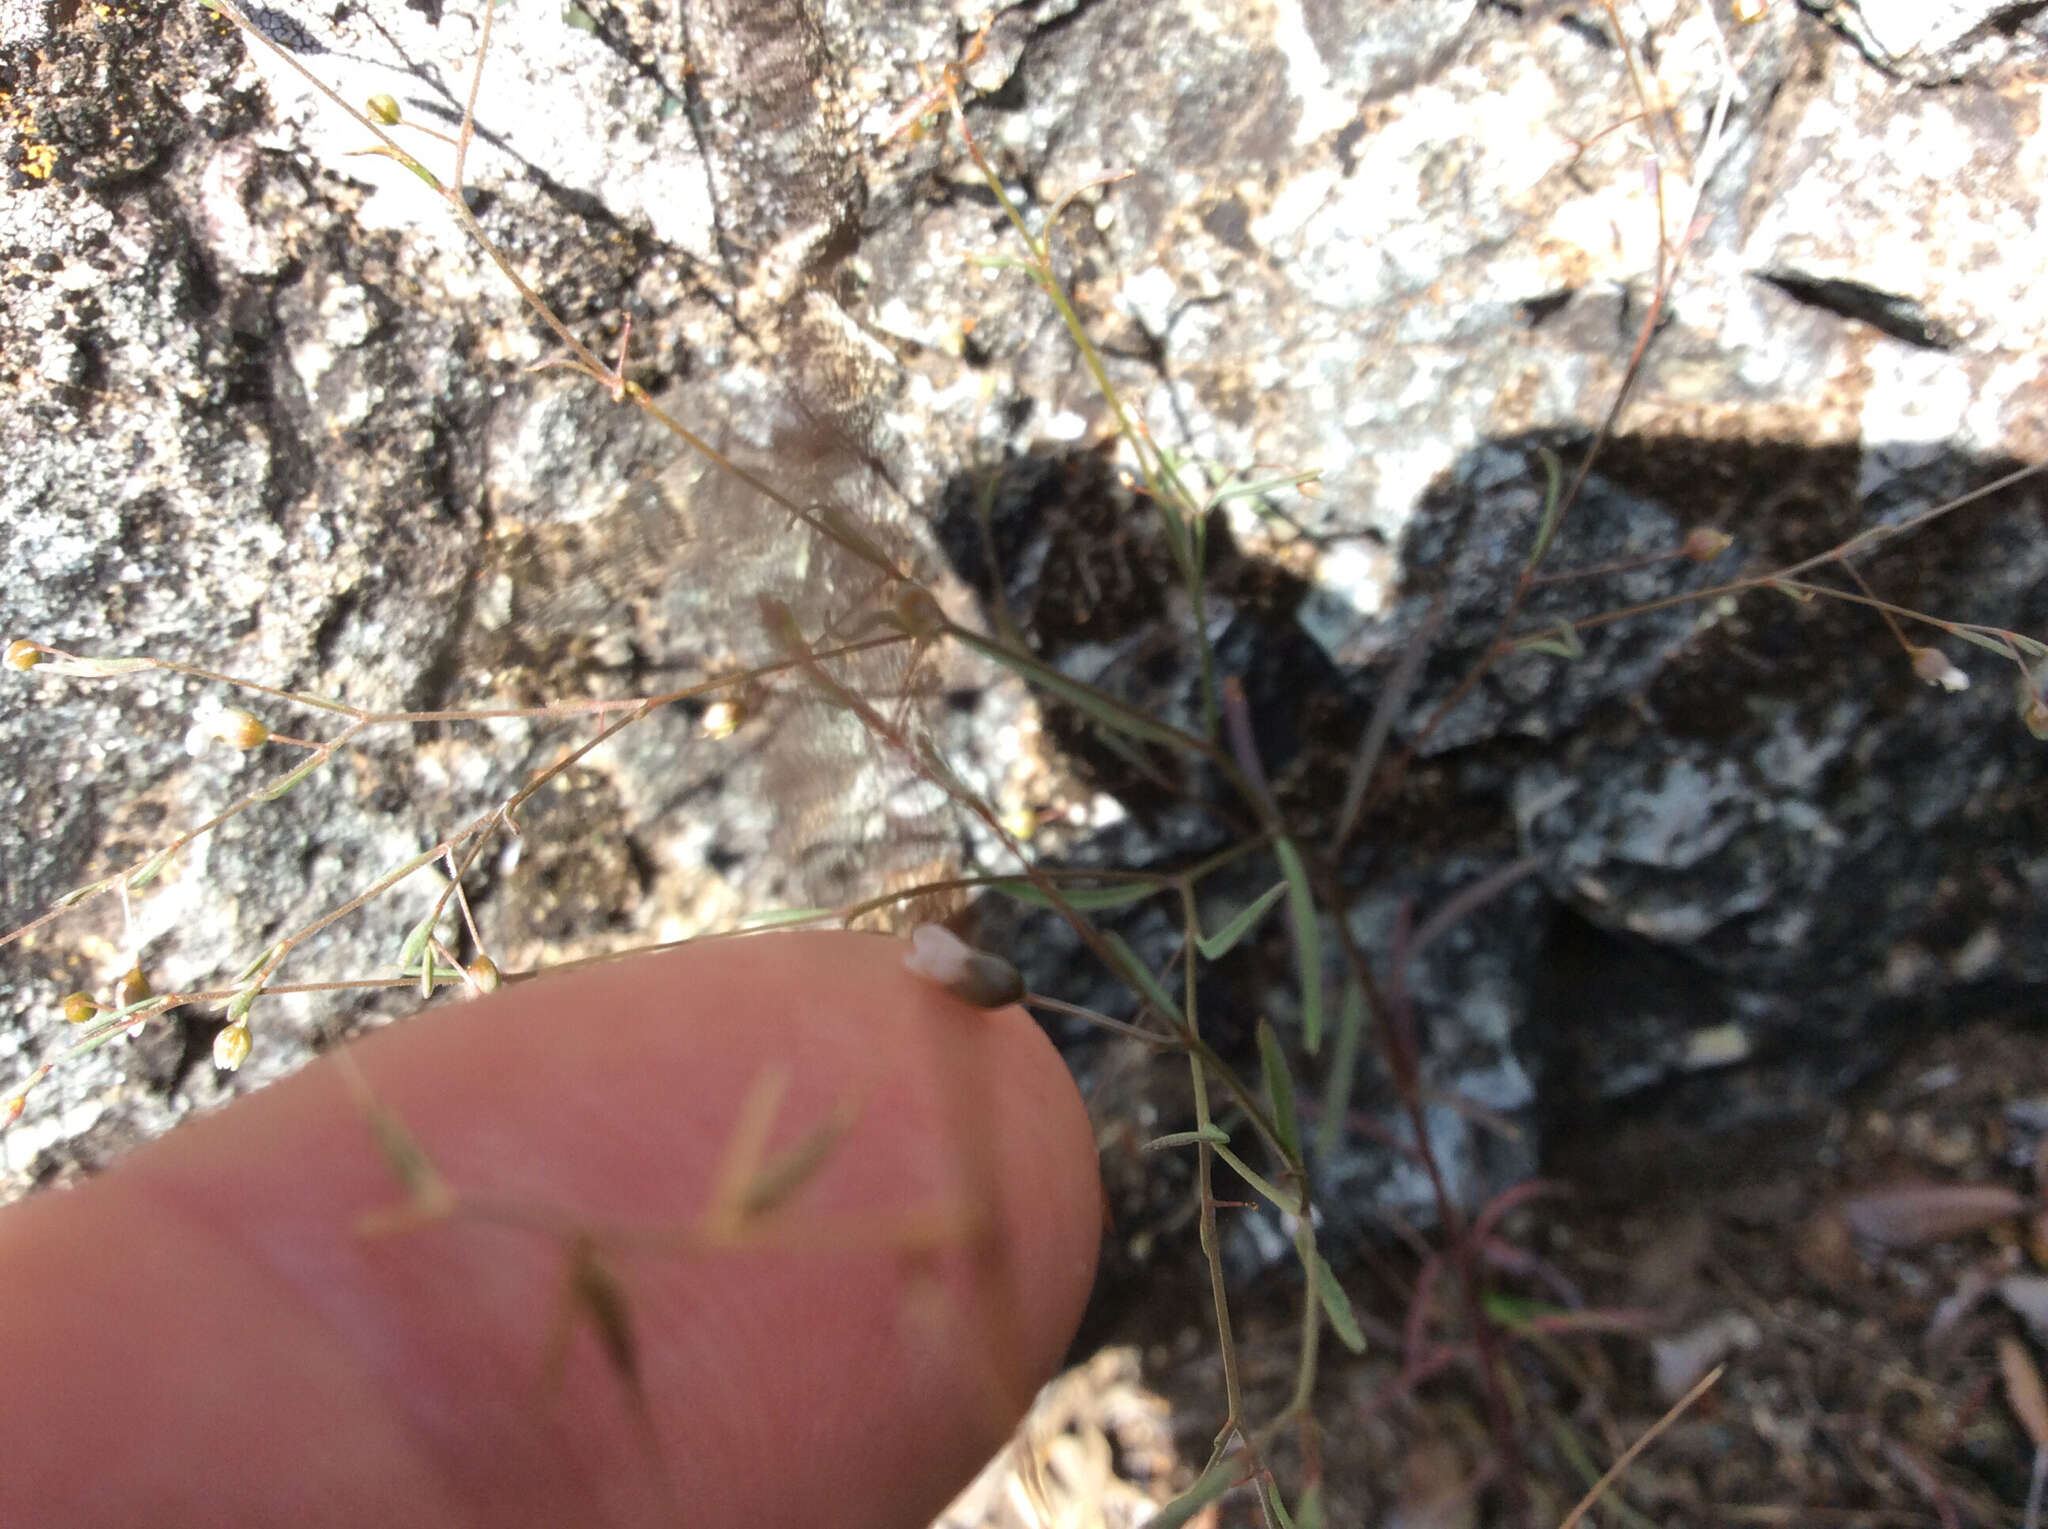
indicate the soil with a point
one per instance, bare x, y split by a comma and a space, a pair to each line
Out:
1862, 1382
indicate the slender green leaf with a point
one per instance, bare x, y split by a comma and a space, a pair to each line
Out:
1308, 1512
842, 528
284, 783
1343, 1320
1098, 704
1560, 640
150, 869
95, 1041
398, 156
1308, 943
2001, 643
1213, 1134
1086, 899
1259, 488
1553, 507
1258, 1181
125, 1014
1139, 975
416, 942
1516, 1310
1271, 1494
1279, 1089
774, 918
256, 963
1129, 752
1343, 1070
93, 668
1210, 1485
1215, 945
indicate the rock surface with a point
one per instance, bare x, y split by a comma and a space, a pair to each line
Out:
269, 416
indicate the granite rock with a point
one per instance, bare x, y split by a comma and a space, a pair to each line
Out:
272, 416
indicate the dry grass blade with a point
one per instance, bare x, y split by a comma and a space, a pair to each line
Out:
2028, 1398
1614, 1472
2024, 1389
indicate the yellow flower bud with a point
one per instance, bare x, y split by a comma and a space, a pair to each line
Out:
239, 729
80, 1008
12, 1106
383, 109
483, 975
23, 655
1703, 544
722, 719
231, 1047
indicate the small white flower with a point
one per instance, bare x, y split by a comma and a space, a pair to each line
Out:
1933, 666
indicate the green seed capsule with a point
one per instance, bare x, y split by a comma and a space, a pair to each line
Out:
133, 988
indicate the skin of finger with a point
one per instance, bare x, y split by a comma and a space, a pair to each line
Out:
202, 1336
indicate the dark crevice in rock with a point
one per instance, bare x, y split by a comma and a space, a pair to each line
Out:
1765, 846
329, 633
1539, 310
1903, 318
1075, 12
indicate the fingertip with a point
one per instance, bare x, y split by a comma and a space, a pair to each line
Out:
614, 1096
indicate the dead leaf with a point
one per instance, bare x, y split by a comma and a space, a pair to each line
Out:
1914, 1215
2027, 1294
1682, 1358
1825, 1250
1436, 1489
2023, 1389
1974, 1284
